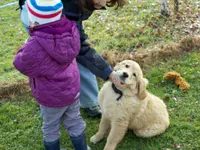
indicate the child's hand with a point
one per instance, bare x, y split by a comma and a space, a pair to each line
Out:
115, 79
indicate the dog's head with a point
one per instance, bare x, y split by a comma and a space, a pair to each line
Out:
130, 74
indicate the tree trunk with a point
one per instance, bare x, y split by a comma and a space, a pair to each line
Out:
165, 8
176, 6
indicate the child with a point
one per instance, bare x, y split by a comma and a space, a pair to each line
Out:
89, 62
48, 59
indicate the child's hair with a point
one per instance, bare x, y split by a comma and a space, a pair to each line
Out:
21, 3
89, 4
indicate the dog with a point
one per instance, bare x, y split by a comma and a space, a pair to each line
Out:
132, 107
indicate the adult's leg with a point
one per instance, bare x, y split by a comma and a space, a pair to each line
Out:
89, 92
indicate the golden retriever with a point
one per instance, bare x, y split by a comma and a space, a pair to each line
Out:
130, 108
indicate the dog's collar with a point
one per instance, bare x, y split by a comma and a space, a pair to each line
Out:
116, 90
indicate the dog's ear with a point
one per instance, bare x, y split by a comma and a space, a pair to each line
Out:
141, 86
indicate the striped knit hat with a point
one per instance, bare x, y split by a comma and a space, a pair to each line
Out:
44, 11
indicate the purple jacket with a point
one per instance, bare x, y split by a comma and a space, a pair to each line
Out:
48, 59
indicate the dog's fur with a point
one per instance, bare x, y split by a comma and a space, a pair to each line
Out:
137, 109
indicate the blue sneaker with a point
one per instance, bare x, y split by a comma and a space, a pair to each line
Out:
94, 111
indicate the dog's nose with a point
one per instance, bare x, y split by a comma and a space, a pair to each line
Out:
125, 75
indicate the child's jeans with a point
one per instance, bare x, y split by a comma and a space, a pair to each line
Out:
68, 115
89, 87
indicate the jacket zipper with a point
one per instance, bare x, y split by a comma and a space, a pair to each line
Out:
34, 84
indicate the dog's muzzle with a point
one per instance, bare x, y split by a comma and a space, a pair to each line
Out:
123, 77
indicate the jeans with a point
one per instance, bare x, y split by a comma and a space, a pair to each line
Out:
89, 87
68, 115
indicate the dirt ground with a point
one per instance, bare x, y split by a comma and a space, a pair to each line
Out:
157, 53
144, 57
187, 22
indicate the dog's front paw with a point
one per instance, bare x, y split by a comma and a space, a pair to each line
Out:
94, 139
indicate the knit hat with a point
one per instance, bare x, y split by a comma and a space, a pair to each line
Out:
44, 11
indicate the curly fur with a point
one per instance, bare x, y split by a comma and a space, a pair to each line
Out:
138, 110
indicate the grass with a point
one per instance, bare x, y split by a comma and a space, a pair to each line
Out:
20, 121
122, 29
138, 24
12, 36
6, 2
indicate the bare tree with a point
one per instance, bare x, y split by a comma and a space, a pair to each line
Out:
176, 7
165, 8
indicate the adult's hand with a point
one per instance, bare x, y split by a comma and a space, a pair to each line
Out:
115, 79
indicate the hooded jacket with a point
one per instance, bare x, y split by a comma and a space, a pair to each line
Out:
48, 59
87, 56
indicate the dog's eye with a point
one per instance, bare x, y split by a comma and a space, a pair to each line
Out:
127, 66
134, 74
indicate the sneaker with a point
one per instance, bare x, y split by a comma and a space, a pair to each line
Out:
88, 148
94, 111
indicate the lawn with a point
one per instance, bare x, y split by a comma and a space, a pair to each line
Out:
20, 121
124, 29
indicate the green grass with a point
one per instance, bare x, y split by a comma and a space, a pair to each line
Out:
137, 24
20, 121
6, 2
110, 29
12, 36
